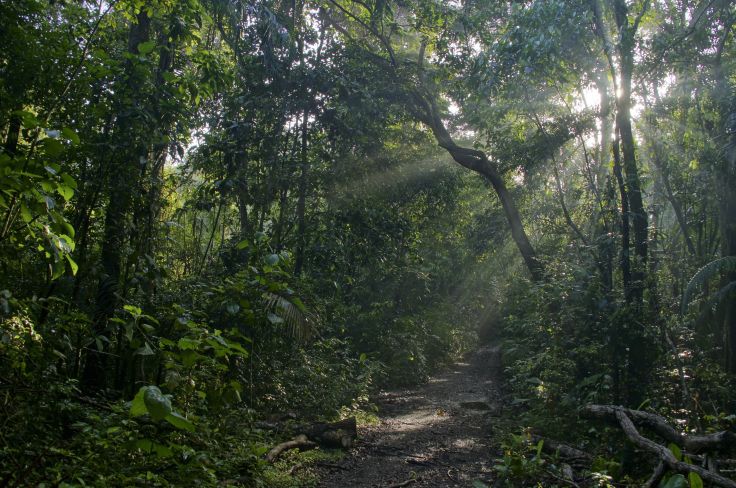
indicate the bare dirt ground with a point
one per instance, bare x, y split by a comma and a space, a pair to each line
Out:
438, 435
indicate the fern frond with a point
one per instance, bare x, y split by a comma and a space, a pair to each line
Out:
724, 264
298, 323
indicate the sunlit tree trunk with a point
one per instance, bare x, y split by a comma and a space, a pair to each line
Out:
625, 261
639, 219
608, 214
621, 73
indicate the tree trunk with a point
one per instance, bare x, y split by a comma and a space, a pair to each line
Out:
122, 183
625, 224
726, 103
625, 49
623, 121
302, 200
606, 220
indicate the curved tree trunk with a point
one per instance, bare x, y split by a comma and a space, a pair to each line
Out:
426, 111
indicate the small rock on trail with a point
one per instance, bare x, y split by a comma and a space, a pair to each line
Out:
438, 435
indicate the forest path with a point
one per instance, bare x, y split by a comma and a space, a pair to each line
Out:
439, 435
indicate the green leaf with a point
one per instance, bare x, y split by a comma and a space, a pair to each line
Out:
151, 447
146, 47
190, 358
66, 192
129, 331
242, 244
695, 480
52, 147
25, 213
157, 404
676, 481
144, 351
133, 310
71, 135
179, 422
29, 119
676, 451
168, 76
138, 405
57, 270
69, 181
72, 264
188, 344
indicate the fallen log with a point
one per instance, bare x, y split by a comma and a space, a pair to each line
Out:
299, 442
332, 434
339, 434
659, 425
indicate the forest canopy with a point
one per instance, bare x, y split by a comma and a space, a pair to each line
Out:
217, 213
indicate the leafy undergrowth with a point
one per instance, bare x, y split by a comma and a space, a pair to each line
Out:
296, 469
71, 440
555, 363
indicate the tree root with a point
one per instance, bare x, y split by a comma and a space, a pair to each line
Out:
659, 425
723, 440
403, 483
551, 446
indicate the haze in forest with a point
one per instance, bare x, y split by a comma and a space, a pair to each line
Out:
249, 242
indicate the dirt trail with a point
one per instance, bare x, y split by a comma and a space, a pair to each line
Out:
439, 433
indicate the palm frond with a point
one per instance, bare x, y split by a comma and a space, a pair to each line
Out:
724, 264
290, 312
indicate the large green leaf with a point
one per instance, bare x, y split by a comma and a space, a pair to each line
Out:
151, 447
178, 421
157, 404
676, 481
695, 480
138, 405
675, 450
146, 47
